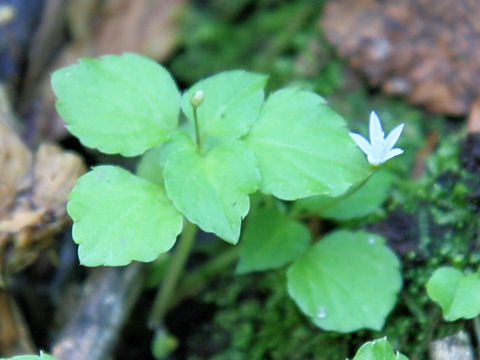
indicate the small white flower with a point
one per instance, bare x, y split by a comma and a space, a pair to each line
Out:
379, 149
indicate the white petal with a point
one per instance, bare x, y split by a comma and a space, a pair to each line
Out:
392, 138
361, 142
374, 161
378, 150
375, 127
392, 153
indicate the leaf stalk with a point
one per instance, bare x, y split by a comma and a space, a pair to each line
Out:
179, 258
196, 101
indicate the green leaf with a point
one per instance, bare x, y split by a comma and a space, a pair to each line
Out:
378, 350
119, 217
163, 344
361, 203
211, 189
271, 240
347, 281
303, 147
457, 294
118, 104
42, 356
232, 103
149, 166
156, 271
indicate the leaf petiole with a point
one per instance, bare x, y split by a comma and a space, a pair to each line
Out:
297, 213
162, 299
196, 101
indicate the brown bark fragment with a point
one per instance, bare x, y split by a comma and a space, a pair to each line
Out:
33, 194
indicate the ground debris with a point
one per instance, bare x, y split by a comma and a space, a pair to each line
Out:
105, 304
15, 336
455, 347
96, 28
147, 27
33, 192
427, 50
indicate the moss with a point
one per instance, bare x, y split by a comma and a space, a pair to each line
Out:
448, 226
264, 323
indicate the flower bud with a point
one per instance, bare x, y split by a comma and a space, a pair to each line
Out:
197, 98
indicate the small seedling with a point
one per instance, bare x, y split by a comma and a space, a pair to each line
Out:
204, 152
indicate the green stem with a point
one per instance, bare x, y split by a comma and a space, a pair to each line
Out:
296, 212
174, 271
349, 193
197, 129
195, 281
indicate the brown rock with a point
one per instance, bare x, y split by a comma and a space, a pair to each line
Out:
428, 50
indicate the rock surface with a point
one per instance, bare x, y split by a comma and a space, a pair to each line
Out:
428, 50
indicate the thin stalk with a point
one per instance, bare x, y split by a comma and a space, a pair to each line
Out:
295, 213
349, 193
196, 100
175, 269
197, 129
199, 277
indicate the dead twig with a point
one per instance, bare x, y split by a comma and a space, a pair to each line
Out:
108, 298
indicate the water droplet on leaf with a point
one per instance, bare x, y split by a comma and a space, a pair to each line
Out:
322, 312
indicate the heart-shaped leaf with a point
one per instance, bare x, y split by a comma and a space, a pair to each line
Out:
303, 147
378, 350
119, 217
270, 240
118, 104
457, 294
346, 281
232, 102
211, 189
